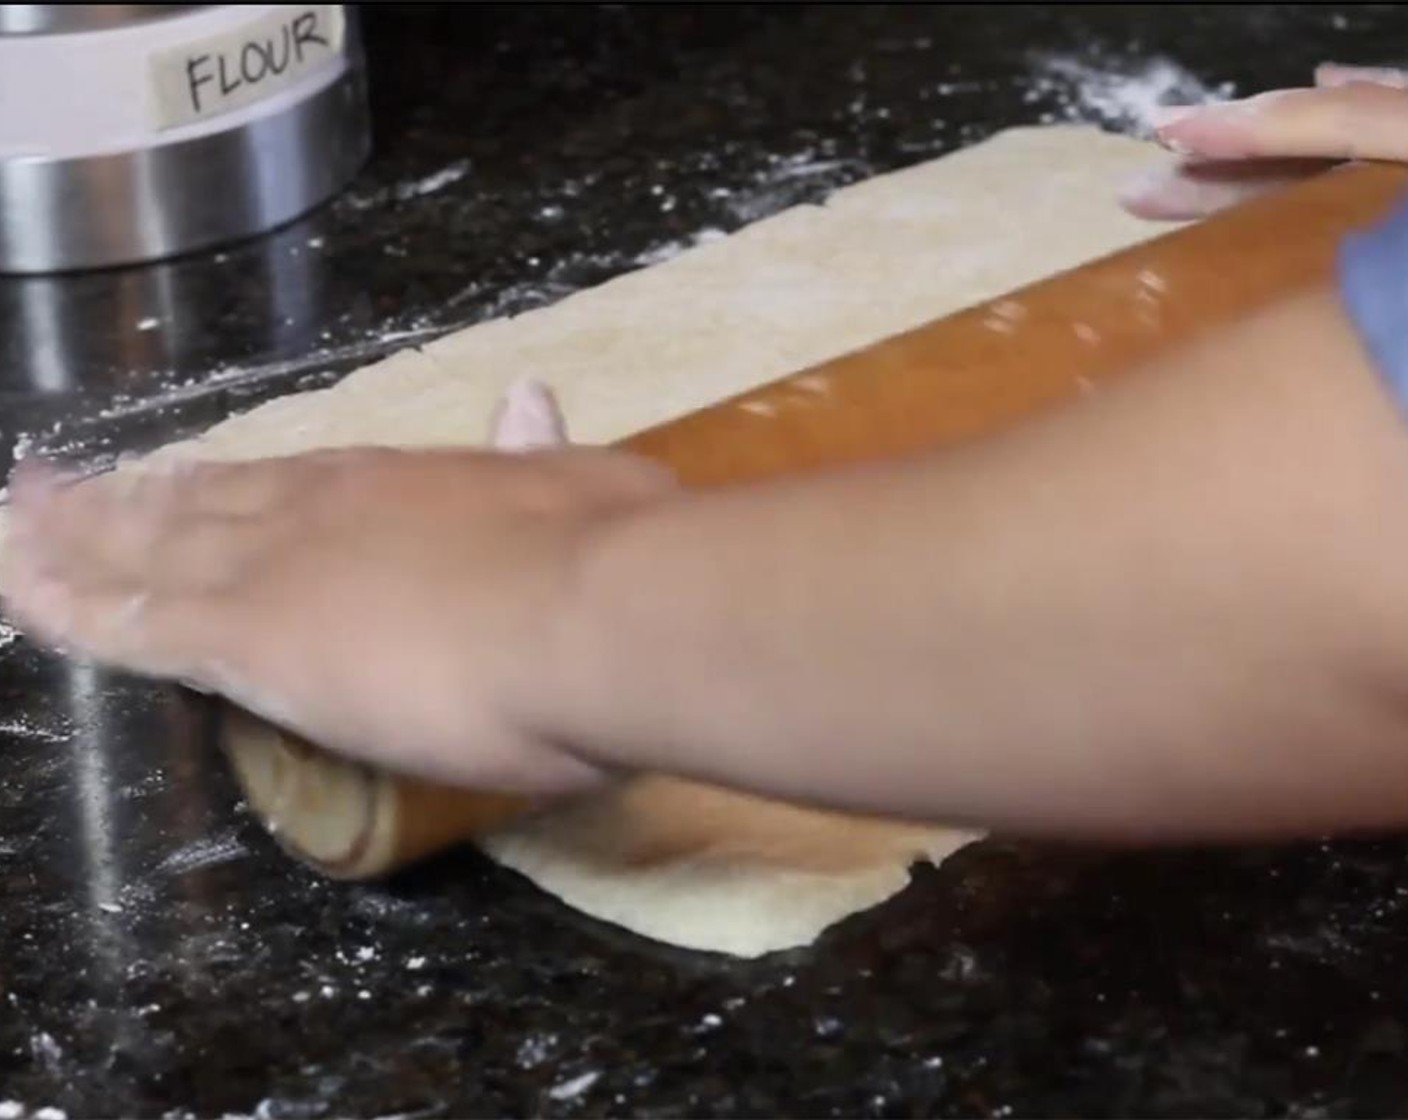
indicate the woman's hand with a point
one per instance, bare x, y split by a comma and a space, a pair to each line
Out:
1238, 149
397, 606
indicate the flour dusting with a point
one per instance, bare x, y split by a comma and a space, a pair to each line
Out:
23, 728
663, 252
410, 189
1124, 97
203, 853
785, 179
437, 181
567, 1090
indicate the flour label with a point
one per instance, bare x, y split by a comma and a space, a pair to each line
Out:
249, 63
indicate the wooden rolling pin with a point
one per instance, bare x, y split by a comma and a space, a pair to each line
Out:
942, 382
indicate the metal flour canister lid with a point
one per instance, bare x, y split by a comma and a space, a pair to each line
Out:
55, 19
134, 132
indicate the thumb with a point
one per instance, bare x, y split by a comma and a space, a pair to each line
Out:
1196, 188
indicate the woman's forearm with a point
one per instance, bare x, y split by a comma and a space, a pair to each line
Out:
1176, 609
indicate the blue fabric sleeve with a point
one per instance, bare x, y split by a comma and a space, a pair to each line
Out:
1373, 282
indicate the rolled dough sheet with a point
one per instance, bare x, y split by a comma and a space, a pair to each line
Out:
705, 868
714, 869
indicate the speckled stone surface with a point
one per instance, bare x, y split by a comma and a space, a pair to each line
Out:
159, 956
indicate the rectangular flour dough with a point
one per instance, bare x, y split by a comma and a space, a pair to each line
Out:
680, 863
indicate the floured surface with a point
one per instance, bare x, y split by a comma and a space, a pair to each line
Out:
684, 864
782, 294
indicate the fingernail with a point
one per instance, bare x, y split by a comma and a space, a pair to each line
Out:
1219, 112
1167, 116
1220, 130
1334, 74
528, 418
1165, 120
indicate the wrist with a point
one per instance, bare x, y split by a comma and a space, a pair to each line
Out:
579, 689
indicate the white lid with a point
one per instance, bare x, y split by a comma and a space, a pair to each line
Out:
157, 82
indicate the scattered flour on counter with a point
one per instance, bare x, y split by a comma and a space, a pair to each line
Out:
23, 729
361, 956
535, 1050
46, 1050
203, 853
659, 254
785, 180
222, 378
24, 444
412, 188
436, 181
86, 445
1124, 97
568, 1090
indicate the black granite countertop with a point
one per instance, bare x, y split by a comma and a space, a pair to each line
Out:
159, 956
